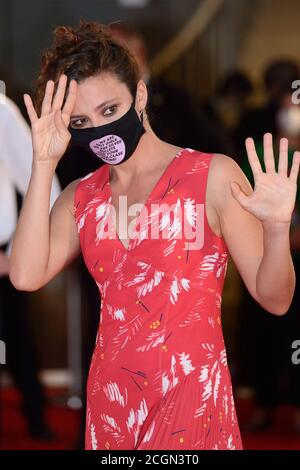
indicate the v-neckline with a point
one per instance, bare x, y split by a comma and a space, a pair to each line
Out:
147, 201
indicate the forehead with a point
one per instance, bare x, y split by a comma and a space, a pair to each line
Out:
94, 90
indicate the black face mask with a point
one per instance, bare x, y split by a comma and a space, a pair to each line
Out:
112, 143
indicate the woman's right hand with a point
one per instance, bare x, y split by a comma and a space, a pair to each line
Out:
50, 135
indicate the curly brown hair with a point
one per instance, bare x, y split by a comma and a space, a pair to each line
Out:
85, 51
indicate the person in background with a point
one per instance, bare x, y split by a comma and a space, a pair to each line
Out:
230, 103
278, 78
270, 347
15, 170
173, 114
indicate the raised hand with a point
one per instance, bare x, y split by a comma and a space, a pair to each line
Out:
50, 135
274, 196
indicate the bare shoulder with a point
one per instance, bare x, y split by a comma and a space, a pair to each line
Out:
66, 197
224, 169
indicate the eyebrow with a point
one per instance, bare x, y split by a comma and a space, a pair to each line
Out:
100, 106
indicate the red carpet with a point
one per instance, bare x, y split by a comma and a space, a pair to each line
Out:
279, 437
65, 424
63, 421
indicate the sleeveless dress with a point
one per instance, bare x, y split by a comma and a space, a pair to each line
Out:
159, 377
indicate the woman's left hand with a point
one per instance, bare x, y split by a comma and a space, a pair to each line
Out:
274, 196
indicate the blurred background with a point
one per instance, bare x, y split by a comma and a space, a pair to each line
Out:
218, 71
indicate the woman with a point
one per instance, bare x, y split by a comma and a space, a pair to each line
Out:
159, 377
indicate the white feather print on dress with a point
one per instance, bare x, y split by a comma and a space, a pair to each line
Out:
194, 315
154, 279
215, 262
149, 433
81, 222
142, 233
201, 410
141, 275
93, 437
207, 265
113, 393
186, 363
96, 385
148, 286
225, 401
210, 348
177, 285
168, 378
210, 374
160, 219
175, 225
116, 313
222, 265
119, 269
101, 210
104, 288
169, 412
216, 385
198, 166
125, 334
111, 426
206, 376
162, 225
190, 211
230, 443
136, 419
102, 214
223, 357
88, 209
170, 248
90, 204
218, 300
99, 338
120, 264
153, 340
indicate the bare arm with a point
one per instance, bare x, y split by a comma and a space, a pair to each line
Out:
43, 244
276, 279
255, 224
242, 232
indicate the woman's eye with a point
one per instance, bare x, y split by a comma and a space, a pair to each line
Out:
77, 123
110, 110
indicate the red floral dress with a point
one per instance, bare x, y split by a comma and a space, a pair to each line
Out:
159, 377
